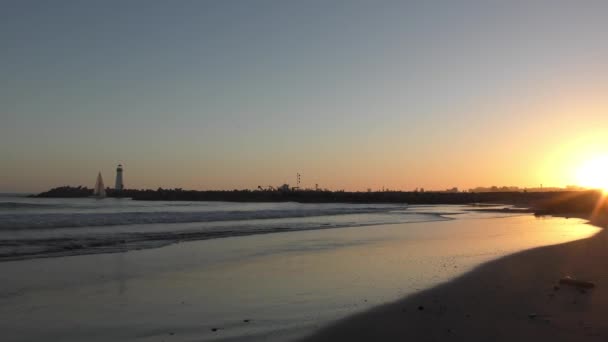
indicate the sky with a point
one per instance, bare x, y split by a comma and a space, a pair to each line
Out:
350, 94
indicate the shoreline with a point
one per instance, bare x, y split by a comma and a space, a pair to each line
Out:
517, 297
122, 245
286, 285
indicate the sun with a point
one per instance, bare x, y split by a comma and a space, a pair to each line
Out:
594, 173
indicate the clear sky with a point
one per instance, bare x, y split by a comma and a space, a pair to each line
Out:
351, 94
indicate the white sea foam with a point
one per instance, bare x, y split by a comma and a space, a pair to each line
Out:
31, 227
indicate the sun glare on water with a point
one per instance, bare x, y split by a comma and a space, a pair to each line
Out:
594, 173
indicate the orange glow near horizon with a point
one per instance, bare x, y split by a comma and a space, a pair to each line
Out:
580, 160
594, 173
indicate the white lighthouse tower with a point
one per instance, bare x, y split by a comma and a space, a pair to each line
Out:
119, 184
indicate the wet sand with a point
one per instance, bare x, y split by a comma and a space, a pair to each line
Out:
515, 298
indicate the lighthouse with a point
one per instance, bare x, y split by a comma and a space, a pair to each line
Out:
119, 185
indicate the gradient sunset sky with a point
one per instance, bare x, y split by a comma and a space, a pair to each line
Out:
351, 94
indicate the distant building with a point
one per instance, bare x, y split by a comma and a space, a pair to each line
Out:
119, 184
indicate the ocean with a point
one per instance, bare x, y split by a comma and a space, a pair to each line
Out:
42, 227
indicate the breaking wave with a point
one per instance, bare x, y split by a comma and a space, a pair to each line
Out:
38, 228
72, 220
20, 205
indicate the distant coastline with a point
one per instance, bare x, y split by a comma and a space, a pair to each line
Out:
549, 202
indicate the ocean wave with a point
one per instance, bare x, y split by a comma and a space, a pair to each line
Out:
39, 245
21, 205
72, 220
50, 228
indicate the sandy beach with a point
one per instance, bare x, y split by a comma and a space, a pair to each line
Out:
515, 298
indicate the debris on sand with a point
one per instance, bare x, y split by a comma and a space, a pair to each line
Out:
576, 283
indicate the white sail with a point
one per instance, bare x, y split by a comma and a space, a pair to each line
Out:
100, 189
